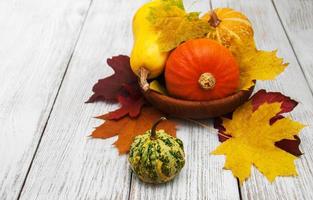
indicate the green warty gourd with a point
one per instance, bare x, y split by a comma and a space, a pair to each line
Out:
156, 157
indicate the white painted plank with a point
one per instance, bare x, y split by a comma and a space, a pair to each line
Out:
68, 164
270, 35
36, 41
203, 176
297, 18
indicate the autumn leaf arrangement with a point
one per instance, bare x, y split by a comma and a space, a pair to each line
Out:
168, 42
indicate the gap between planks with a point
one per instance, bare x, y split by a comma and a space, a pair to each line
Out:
55, 99
238, 182
291, 45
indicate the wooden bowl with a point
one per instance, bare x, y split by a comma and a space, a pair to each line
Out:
197, 109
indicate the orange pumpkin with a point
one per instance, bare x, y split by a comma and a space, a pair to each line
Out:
229, 27
201, 70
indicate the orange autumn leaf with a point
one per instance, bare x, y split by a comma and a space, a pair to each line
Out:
128, 128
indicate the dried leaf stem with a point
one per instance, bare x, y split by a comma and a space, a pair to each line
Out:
201, 124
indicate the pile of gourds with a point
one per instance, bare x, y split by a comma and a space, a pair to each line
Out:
198, 69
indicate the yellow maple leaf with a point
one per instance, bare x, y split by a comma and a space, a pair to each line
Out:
175, 25
177, 3
256, 64
253, 142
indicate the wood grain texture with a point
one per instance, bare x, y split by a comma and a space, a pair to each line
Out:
36, 41
297, 18
69, 164
203, 176
270, 35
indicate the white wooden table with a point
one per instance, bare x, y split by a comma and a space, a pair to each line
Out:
53, 51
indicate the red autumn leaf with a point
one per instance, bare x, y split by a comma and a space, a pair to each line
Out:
131, 103
218, 124
259, 98
109, 88
262, 96
291, 146
128, 128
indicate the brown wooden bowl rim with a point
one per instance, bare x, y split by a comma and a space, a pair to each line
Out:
224, 100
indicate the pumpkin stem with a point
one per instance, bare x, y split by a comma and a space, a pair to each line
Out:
207, 81
214, 20
153, 129
143, 75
